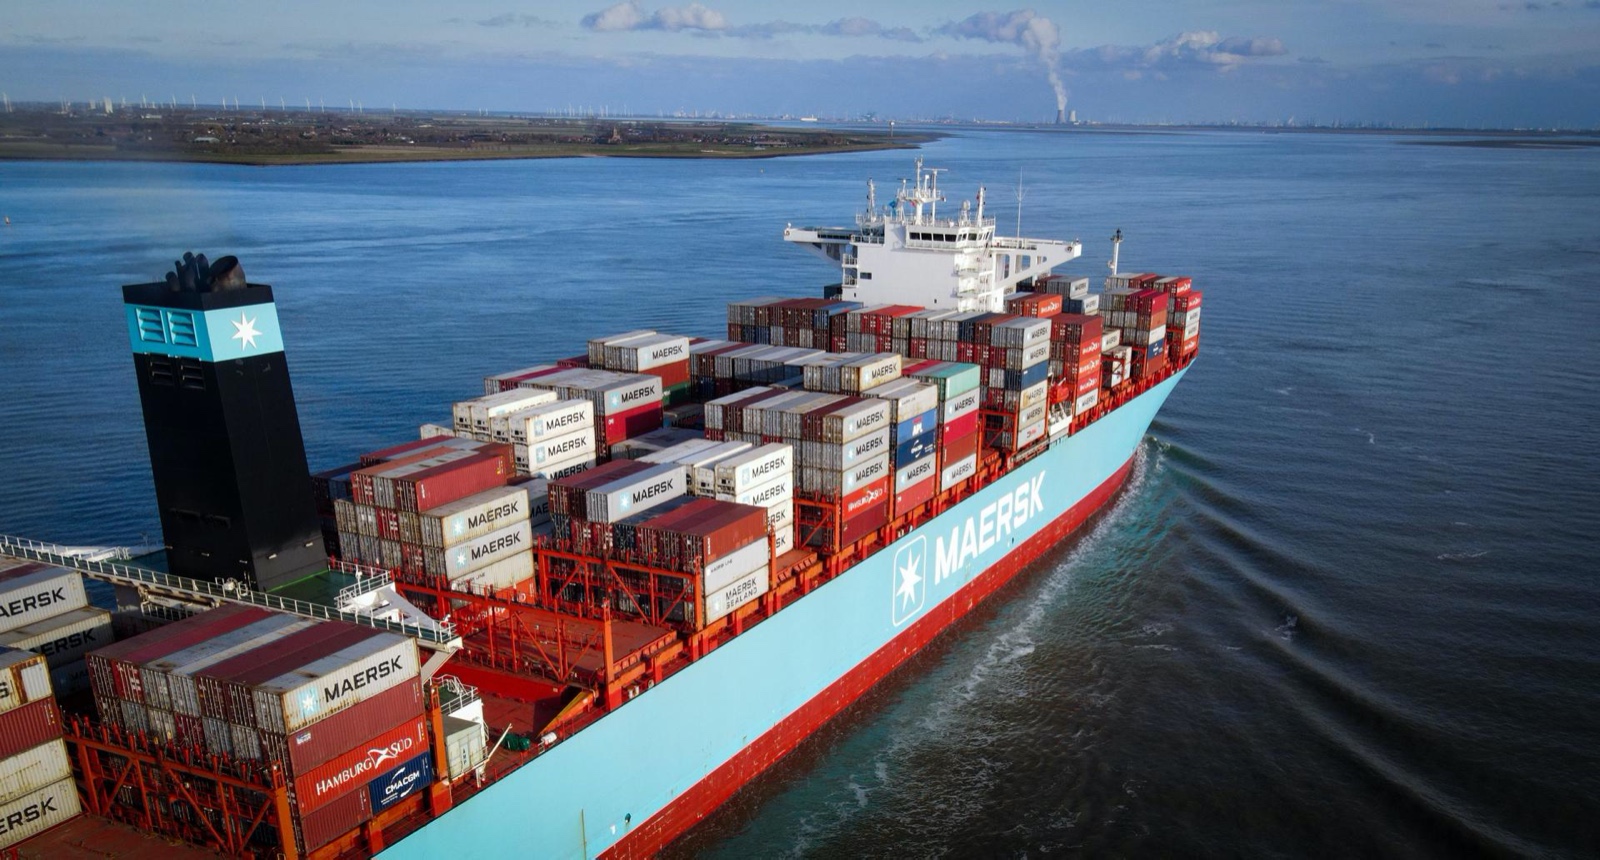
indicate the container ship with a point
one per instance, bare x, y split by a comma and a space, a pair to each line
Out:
579, 613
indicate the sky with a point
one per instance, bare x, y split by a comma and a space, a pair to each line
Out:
1477, 63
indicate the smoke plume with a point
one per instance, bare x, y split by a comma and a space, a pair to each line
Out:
1026, 28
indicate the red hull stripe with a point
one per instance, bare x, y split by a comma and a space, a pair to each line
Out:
688, 808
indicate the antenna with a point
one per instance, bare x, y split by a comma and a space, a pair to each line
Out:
1116, 250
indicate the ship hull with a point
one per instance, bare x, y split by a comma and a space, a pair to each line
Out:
647, 772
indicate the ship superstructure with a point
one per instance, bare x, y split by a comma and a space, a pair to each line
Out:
603, 557
905, 253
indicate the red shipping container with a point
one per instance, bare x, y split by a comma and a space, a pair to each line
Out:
574, 361
359, 765
334, 820
1087, 383
626, 425
676, 373
917, 493
114, 669
723, 530
29, 726
1077, 328
959, 427
956, 450
388, 523
864, 523
337, 733
1035, 304
1175, 286
865, 497
1188, 301
448, 482
1149, 301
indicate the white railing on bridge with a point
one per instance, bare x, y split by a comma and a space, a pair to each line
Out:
438, 633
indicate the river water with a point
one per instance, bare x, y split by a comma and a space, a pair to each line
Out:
1347, 605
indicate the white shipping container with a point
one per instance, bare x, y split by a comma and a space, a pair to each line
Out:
959, 405
503, 574
561, 469
854, 421
778, 491
702, 465
558, 418
783, 539
829, 455
651, 352
337, 681
737, 474
183, 693
1085, 402
1111, 339
866, 373
434, 431
1036, 354
958, 471
1034, 395
741, 592
1032, 414
480, 552
38, 811
735, 565
637, 493
491, 406
597, 346
911, 397
680, 453
31, 770
39, 594
24, 678
556, 449
475, 516
63, 638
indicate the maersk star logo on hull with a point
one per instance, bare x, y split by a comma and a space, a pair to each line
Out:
910, 580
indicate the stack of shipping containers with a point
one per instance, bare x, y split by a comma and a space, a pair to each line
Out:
338, 706
45, 610
649, 352
37, 791
442, 508
957, 385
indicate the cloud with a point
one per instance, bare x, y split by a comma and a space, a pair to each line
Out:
854, 27
627, 16
1025, 28
1194, 49
512, 20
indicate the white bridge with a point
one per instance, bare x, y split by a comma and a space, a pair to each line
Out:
904, 253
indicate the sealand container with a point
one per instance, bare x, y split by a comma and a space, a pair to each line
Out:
28, 726
33, 769
63, 638
29, 594
477, 515
24, 678
742, 591
360, 765
37, 811
333, 820
320, 742
335, 682
408, 779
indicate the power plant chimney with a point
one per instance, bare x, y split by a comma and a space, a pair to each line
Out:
1061, 116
